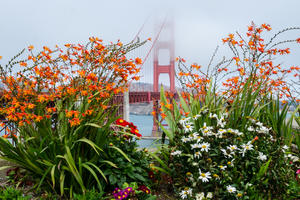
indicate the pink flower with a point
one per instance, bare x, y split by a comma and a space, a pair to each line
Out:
298, 171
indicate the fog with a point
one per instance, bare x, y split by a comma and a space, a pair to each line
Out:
199, 25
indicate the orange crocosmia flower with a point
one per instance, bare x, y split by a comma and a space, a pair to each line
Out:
68, 113
136, 78
284, 101
297, 40
88, 112
74, 122
81, 73
225, 40
153, 113
30, 47
149, 39
169, 106
138, 61
163, 115
84, 93
49, 110
38, 118
30, 106
5, 136
266, 26
23, 64
0, 57
196, 66
180, 73
237, 59
231, 36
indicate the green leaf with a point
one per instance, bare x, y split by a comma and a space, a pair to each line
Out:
92, 144
140, 177
94, 174
263, 169
112, 179
4, 167
52, 175
121, 152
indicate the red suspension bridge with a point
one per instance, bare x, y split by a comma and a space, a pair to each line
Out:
159, 56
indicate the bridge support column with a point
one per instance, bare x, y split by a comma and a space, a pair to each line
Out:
155, 129
126, 106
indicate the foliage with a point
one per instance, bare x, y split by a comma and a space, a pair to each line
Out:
18, 177
231, 142
90, 195
10, 193
60, 105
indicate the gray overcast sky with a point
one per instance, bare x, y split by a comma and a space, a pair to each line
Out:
199, 25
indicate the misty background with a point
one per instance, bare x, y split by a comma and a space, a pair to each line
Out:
199, 25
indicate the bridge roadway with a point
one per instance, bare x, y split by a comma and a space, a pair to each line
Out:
140, 97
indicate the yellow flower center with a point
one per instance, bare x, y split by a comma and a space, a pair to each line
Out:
203, 175
203, 146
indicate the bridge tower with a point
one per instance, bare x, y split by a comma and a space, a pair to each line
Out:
163, 44
166, 44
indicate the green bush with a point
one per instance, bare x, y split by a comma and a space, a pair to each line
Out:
11, 193
63, 117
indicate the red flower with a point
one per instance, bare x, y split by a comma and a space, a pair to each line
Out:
121, 122
135, 131
298, 40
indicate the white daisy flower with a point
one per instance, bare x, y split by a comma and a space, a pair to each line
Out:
199, 138
195, 135
292, 157
221, 122
261, 156
222, 167
220, 132
259, 124
251, 128
263, 129
206, 132
204, 177
209, 195
231, 189
195, 146
284, 148
200, 196
176, 153
188, 128
197, 154
185, 139
237, 132
246, 147
232, 147
182, 121
183, 194
213, 115
204, 146
196, 116
227, 155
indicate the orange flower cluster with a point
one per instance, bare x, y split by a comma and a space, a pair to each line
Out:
90, 73
252, 60
264, 73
